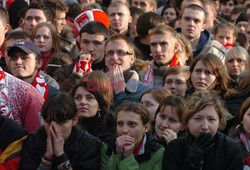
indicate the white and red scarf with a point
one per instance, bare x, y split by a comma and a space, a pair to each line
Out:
4, 110
40, 84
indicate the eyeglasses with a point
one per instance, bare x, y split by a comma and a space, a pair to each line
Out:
120, 53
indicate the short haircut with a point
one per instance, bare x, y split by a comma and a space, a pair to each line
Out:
95, 27
4, 15
163, 29
201, 99
59, 107
196, 8
135, 11
75, 9
148, 21
131, 46
210, 3
243, 109
176, 70
119, 4
225, 1
55, 5
177, 103
225, 25
18, 34
136, 108
40, 6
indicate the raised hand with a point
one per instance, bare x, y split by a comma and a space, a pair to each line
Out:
125, 145
57, 139
169, 135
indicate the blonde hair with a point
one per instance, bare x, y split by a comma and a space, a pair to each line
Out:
239, 52
176, 70
163, 29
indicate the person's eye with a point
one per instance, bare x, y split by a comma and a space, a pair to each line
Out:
197, 118
172, 120
169, 82
198, 70
77, 97
211, 120
149, 104
97, 43
180, 82
131, 124
85, 42
162, 116
119, 124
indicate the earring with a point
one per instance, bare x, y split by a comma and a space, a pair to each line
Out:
99, 115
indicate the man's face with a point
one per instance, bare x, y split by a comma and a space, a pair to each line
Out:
145, 5
3, 30
241, 26
210, 17
225, 36
248, 33
162, 48
192, 23
93, 44
119, 18
32, 18
125, 59
59, 21
23, 65
226, 8
9, 43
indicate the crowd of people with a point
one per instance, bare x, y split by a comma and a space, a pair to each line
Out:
125, 84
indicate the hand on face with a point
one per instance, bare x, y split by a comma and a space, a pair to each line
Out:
55, 140
115, 74
169, 135
125, 145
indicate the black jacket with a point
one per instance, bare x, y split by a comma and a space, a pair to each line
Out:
82, 149
226, 154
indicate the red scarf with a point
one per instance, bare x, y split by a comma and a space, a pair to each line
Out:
40, 84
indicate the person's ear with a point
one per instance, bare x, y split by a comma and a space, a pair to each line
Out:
130, 19
39, 64
6, 28
147, 127
132, 59
75, 120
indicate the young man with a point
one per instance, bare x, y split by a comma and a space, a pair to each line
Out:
193, 24
145, 5
119, 58
211, 14
35, 14
92, 39
119, 15
25, 62
145, 23
163, 45
18, 100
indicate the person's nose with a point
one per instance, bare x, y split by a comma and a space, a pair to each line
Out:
205, 125
124, 130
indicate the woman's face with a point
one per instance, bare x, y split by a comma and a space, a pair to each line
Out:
176, 84
150, 104
246, 123
167, 119
63, 128
204, 121
169, 14
86, 103
235, 65
43, 39
202, 78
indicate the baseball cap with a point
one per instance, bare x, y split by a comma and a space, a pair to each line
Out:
27, 46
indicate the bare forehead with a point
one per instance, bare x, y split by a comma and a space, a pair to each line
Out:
118, 9
34, 13
193, 13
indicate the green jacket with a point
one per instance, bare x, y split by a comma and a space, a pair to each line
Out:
150, 160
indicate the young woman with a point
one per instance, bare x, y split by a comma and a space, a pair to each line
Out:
46, 38
132, 148
151, 100
174, 80
243, 131
169, 13
169, 119
207, 72
93, 98
205, 147
59, 144
236, 62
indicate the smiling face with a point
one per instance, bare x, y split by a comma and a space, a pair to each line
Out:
167, 119
202, 78
124, 60
43, 39
86, 103
130, 123
204, 121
